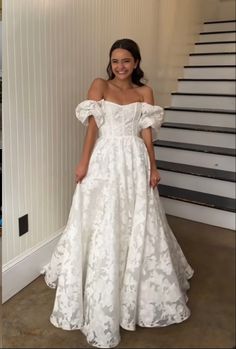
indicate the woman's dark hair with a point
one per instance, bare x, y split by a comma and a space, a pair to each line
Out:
132, 47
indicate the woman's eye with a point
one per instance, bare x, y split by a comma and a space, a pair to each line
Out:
116, 62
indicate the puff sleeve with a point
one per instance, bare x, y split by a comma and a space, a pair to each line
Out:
87, 108
151, 116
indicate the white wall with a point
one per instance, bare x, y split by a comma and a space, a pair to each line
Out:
40, 134
179, 23
52, 49
227, 9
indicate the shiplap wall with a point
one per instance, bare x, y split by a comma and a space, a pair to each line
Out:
52, 50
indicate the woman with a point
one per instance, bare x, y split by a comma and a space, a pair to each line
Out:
118, 262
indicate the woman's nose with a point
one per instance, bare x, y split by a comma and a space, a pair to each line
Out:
120, 65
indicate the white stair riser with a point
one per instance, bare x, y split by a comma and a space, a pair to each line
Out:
210, 73
216, 27
217, 161
212, 60
212, 119
217, 37
208, 48
198, 183
216, 139
207, 86
199, 213
211, 102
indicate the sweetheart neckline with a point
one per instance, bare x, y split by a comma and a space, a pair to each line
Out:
121, 105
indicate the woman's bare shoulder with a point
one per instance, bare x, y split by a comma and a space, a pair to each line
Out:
97, 89
147, 94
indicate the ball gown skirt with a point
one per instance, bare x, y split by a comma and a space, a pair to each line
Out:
117, 262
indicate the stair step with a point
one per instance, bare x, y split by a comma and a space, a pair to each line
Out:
205, 100
198, 183
198, 213
211, 47
198, 198
224, 35
196, 147
202, 110
211, 66
212, 80
212, 53
196, 127
212, 58
195, 135
210, 71
195, 154
215, 42
221, 21
218, 32
207, 85
205, 94
200, 117
196, 170
219, 26
191, 155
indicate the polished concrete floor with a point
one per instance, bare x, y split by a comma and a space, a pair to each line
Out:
210, 251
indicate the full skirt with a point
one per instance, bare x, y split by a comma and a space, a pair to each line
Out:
117, 262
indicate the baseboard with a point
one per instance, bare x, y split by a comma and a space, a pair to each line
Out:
21, 271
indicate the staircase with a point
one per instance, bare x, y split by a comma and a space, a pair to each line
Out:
195, 152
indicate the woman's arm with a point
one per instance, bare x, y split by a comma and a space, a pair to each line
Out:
146, 134
95, 93
89, 141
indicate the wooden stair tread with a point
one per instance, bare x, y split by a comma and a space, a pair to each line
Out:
203, 94
211, 66
201, 110
215, 42
218, 32
197, 127
199, 198
195, 147
211, 53
213, 80
196, 170
221, 21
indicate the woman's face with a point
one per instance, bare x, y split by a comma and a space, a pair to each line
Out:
122, 63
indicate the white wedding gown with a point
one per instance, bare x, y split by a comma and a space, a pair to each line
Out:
117, 262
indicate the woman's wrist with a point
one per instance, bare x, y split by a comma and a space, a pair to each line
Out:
153, 166
84, 162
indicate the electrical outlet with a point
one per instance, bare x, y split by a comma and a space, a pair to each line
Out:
23, 225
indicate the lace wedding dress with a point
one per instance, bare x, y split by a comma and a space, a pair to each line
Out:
117, 262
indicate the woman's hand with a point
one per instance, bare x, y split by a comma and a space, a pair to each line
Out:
154, 178
81, 171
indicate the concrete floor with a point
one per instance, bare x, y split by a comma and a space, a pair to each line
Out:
210, 251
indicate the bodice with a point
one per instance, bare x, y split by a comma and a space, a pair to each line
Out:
117, 120
120, 120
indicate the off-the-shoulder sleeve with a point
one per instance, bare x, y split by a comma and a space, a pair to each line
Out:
87, 108
151, 116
